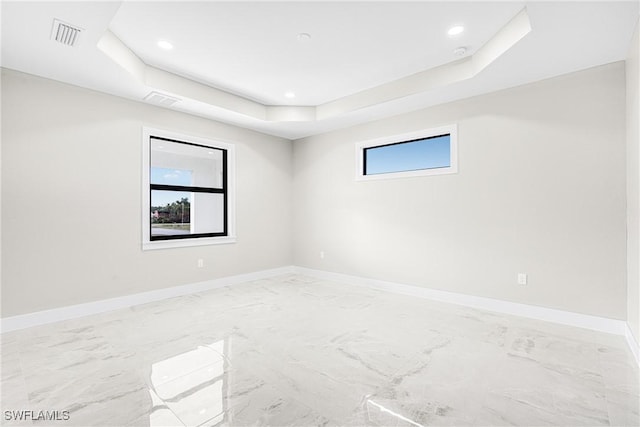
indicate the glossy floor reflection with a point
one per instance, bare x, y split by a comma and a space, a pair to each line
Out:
299, 351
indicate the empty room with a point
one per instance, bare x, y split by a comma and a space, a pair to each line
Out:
326, 213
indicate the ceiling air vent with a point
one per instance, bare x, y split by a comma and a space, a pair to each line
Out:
64, 33
160, 99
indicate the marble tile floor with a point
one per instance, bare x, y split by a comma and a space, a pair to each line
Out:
296, 351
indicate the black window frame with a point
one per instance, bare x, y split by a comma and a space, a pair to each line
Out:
193, 189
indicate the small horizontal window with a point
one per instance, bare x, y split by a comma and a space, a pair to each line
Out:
428, 152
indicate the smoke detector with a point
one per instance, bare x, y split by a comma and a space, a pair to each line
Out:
65, 33
160, 99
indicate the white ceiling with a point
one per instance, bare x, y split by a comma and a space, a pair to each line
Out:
364, 60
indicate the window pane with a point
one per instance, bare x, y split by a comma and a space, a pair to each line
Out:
183, 164
170, 213
208, 210
170, 176
428, 153
182, 213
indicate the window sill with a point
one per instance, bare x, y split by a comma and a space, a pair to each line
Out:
407, 174
185, 243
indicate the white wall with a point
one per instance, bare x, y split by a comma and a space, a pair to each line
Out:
71, 193
540, 189
633, 185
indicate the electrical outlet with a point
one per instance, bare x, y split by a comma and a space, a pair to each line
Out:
321, 254
522, 278
200, 263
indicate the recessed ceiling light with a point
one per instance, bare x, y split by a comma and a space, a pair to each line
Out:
289, 95
454, 31
303, 37
163, 44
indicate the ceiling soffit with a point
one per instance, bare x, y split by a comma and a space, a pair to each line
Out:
180, 87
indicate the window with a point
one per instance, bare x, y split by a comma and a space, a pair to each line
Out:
187, 191
427, 152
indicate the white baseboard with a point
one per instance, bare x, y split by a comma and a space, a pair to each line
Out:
633, 344
602, 324
586, 321
80, 310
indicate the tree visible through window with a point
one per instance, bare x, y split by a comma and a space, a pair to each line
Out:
168, 215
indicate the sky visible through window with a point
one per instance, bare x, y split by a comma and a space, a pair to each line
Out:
169, 177
428, 153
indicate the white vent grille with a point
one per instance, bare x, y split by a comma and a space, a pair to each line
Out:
64, 33
160, 99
